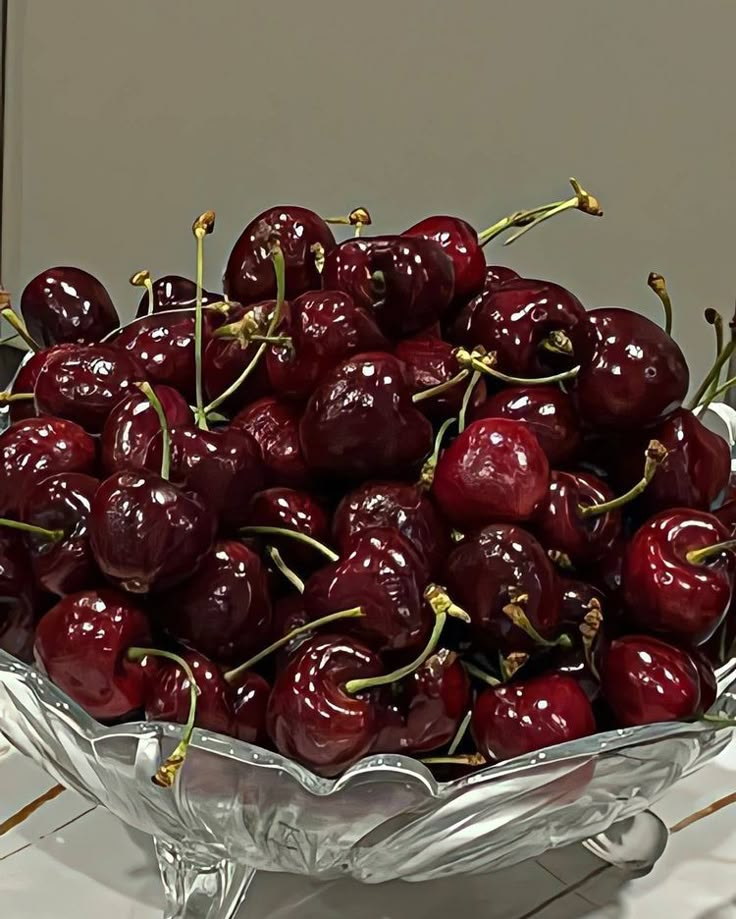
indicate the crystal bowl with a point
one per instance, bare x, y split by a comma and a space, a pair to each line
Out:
236, 808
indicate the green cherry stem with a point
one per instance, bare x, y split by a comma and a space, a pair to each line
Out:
358, 218
479, 360
657, 284
472, 759
12, 318
6, 397
233, 675
474, 380
163, 421
654, 455
440, 387
291, 576
169, 769
202, 226
515, 612
713, 394
714, 318
481, 674
292, 534
143, 279
51, 535
698, 556
461, 732
426, 477
713, 374
581, 201
442, 607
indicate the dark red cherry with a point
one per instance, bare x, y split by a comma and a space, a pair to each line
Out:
549, 413
645, 681
173, 292
312, 718
726, 513
361, 420
633, 374
133, 424
250, 694
62, 502
380, 572
25, 380
499, 566
708, 679
578, 599
36, 448
668, 590
147, 534
325, 327
249, 276
497, 276
82, 645
530, 715
18, 597
274, 425
84, 385
408, 283
560, 526
430, 362
516, 319
292, 510
460, 242
495, 470
67, 305
394, 505
223, 610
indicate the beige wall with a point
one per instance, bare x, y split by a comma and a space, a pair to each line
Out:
128, 117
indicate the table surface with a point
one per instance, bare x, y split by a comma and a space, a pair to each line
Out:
70, 862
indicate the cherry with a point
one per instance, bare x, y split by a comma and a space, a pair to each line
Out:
62, 502
312, 718
524, 322
18, 597
549, 413
84, 385
380, 572
290, 509
274, 425
677, 578
505, 581
495, 470
708, 679
726, 513
67, 305
460, 242
33, 449
132, 426
525, 716
223, 610
145, 533
25, 380
645, 681
302, 235
325, 327
173, 292
361, 420
632, 374
82, 645
497, 276
250, 693
394, 505
578, 599
407, 282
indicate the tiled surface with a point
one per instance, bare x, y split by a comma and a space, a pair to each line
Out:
60, 865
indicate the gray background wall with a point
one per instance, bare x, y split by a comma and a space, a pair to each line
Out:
126, 119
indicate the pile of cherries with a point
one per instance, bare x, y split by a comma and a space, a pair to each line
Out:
379, 497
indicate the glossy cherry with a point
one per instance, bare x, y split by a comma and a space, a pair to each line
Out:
312, 718
224, 609
497, 567
249, 275
408, 283
460, 242
669, 591
274, 425
497, 276
495, 470
529, 715
147, 534
645, 681
361, 421
325, 327
291, 509
578, 599
62, 502
35, 448
173, 292
549, 413
66, 304
82, 645
18, 597
25, 380
84, 385
633, 374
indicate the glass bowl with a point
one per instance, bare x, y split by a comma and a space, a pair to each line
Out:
236, 809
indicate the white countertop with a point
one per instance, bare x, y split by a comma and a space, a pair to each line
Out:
93, 866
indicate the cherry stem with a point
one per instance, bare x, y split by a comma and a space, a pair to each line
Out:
291, 576
713, 808
277, 256
169, 769
442, 607
441, 387
655, 454
202, 226
233, 675
25, 812
461, 732
292, 534
478, 360
714, 374
143, 279
358, 218
515, 612
481, 674
426, 477
713, 394
20, 329
657, 283
471, 759
589, 630
6, 341
51, 535
558, 342
163, 421
698, 556
6, 397
512, 663
474, 380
